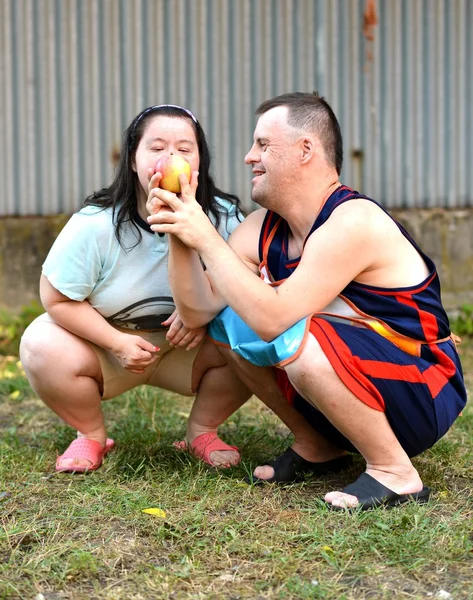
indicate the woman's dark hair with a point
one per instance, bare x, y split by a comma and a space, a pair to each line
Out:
121, 195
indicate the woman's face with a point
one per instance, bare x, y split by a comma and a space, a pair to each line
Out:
164, 135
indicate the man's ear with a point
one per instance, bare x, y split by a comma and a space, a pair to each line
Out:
308, 147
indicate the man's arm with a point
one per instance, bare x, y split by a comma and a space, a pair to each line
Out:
196, 296
345, 246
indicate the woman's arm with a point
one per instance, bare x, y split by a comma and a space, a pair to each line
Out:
196, 301
80, 318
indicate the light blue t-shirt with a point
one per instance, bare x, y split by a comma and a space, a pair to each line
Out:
126, 283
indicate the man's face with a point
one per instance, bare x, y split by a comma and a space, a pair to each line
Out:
272, 157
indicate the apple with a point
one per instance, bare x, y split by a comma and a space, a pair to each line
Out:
171, 166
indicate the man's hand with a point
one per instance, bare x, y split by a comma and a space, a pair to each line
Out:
133, 352
179, 335
180, 214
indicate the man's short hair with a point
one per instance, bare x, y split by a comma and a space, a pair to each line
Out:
311, 112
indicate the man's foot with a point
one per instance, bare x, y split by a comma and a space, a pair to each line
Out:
291, 467
212, 450
379, 488
82, 455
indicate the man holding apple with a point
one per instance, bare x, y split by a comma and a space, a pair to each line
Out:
324, 285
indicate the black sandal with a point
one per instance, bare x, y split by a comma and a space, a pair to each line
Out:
291, 467
371, 494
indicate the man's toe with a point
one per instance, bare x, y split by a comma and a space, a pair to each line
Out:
264, 472
340, 499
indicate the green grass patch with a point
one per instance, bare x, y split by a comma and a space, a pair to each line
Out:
12, 326
462, 321
86, 537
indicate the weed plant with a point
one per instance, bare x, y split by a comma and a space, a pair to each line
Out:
462, 321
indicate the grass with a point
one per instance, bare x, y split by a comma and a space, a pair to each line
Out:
86, 537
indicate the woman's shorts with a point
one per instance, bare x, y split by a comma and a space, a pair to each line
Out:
172, 370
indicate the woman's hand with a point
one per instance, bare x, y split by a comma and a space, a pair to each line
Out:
153, 203
179, 335
181, 215
133, 352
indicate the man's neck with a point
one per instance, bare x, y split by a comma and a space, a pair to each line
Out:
302, 214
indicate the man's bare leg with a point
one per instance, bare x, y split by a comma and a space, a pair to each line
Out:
368, 429
65, 373
308, 443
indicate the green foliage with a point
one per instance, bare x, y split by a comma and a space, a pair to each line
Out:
12, 327
462, 322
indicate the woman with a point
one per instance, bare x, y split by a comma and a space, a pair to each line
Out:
110, 322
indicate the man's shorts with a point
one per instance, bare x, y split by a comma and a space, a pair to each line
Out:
172, 370
422, 395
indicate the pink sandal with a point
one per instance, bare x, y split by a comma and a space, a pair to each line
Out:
85, 449
203, 445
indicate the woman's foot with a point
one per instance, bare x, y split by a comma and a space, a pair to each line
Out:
83, 454
211, 449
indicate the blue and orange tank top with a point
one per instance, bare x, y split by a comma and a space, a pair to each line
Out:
410, 315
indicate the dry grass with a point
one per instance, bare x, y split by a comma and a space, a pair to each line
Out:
86, 537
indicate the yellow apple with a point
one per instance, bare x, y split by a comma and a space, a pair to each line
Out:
171, 166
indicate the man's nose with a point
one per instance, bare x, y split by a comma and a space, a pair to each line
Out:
249, 158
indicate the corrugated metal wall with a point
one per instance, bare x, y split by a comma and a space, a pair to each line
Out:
73, 73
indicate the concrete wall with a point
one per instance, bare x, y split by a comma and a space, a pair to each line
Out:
445, 235
24, 244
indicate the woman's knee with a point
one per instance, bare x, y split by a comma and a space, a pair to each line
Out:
45, 345
32, 345
208, 357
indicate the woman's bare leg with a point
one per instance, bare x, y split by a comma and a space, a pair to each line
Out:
65, 373
220, 393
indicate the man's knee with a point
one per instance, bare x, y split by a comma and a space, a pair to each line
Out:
312, 361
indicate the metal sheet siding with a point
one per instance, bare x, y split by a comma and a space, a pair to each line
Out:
73, 73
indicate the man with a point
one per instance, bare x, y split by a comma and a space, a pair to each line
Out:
377, 371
